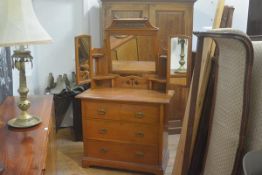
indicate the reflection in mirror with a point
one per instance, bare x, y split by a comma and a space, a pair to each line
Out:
132, 53
83, 48
178, 54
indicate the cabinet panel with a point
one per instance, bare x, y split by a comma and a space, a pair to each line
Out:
171, 19
122, 10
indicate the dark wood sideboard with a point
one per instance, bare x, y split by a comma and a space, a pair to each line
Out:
28, 151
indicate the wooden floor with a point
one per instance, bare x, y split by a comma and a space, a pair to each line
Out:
69, 156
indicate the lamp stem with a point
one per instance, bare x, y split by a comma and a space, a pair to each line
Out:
182, 56
24, 103
24, 119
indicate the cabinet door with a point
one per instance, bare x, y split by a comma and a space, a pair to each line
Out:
174, 19
171, 19
123, 10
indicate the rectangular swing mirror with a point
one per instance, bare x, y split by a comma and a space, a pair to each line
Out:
132, 53
82, 58
133, 46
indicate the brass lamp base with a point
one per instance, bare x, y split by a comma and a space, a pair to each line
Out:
180, 70
24, 123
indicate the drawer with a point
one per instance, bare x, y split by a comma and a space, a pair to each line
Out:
121, 131
103, 110
143, 113
121, 152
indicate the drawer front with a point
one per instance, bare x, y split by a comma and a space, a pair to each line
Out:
121, 131
142, 113
121, 152
102, 110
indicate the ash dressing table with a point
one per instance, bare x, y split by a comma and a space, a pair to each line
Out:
124, 113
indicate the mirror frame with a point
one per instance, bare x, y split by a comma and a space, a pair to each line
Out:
131, 26
79, 81
187, 74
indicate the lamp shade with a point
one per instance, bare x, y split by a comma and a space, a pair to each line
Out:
19, 24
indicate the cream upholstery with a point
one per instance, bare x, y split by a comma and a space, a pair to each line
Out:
227, 118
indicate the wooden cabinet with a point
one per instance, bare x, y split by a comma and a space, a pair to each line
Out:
32, 150
125, 128
172, 17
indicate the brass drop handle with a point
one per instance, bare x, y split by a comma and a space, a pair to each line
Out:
140, 134
140, 154
136, 82
101, 111
103, 150
139, 115
103, 131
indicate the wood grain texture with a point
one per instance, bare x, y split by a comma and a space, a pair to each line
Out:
129, 112
126, 95
70, 154
126, 129
120, 131
207, 55
25, 151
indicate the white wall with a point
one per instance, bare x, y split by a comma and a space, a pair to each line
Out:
62, 19
204, 13
94, 22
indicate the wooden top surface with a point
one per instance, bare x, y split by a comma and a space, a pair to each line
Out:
23, 151
127, 95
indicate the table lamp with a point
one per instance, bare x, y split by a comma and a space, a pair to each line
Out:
20, 27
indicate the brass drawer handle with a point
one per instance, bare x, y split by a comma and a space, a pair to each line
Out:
101, 112
139, 115
103, 150
103, 131
139, 134
139, 154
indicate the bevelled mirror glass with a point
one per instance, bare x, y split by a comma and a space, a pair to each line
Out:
132, 52
178, 54
133, 46
82, 58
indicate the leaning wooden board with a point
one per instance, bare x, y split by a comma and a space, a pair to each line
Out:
190, 123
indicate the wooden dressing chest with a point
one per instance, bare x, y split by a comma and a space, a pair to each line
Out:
125, 128
124, 114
